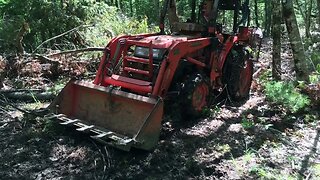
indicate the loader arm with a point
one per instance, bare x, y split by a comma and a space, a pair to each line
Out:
177, 52
112, 55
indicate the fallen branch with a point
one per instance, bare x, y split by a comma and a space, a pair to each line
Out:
36, 112
257, 73
60, 35
13, 106
28, 95
43, 59
77, 51
6, 91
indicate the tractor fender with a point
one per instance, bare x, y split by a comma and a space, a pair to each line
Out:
227, 48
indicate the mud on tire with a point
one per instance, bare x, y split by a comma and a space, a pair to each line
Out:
194, 96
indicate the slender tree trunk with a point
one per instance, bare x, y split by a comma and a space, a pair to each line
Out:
308, 18
120, 4
268, 13
193, 10
157, 9
116, 3
62, 4
111, 2
131, 8
276, 35
172, 15
318, 5
256, 13
19, 39
300, 63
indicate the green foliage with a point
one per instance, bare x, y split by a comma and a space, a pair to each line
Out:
315, 58
316, 170
58, 86
47, 19
314, 78
247, 123
266, 76
106, 25
285, 93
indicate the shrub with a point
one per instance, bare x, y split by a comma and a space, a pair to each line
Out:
108, 22
285, 93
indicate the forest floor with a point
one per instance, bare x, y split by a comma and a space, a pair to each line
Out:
255, 141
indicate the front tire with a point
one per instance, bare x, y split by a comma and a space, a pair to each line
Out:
194, 96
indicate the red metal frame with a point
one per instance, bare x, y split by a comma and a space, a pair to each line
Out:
178, 47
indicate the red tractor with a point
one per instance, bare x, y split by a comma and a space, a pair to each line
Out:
123, 107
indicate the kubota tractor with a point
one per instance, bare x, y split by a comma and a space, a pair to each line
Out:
123, 107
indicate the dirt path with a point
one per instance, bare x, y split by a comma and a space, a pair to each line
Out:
254, 141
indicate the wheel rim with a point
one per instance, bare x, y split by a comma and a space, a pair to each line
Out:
245, 79
199, 96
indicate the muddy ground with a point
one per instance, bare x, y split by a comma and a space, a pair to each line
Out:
255, 141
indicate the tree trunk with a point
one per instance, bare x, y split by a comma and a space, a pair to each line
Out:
120, 4
256, 13
116, 3
308, 18
300, 63
131, 8
318, 5
193, 10
268, 13
157, 9
22, 32
276, 35
172, 15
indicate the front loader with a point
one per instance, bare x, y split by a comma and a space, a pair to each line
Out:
124, 105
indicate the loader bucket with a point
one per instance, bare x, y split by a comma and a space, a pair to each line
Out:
111, 116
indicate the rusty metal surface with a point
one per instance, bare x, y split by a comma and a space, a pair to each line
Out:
136, 117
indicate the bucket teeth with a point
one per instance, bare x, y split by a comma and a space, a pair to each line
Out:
85, 128
57, 116
71, 121
102, 135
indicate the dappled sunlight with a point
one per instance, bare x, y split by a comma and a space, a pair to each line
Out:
204, 128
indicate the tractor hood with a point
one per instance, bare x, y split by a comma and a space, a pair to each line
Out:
163, 41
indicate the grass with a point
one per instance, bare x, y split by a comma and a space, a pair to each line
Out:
247, 123
223, 148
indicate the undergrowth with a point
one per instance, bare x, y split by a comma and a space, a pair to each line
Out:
109, 22
287, 95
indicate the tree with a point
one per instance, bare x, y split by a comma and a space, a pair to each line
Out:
276, 35
308, 18
306, 15
256, 13
318, 5
268, 13
300, 63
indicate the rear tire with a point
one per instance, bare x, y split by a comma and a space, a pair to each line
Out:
237, 76
194, 97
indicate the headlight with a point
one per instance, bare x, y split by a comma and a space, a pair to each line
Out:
144, 52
